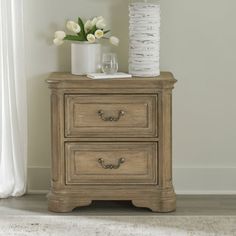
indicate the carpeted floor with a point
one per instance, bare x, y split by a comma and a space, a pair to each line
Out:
118, 225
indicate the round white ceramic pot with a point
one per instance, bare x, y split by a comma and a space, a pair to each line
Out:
85, 58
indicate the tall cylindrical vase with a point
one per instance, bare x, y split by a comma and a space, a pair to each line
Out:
85, 58
144, 38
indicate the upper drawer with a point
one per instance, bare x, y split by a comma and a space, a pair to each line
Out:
111, 115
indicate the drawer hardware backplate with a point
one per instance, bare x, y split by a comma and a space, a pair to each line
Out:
110, 118
110, 166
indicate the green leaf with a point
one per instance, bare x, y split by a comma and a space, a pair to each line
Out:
73, 38
82, 32
106, 31
93, 30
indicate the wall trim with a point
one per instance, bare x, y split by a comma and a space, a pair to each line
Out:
187, 180
44, 192
205, 192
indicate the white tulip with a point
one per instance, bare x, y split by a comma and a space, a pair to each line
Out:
101, 24
99, 34
58, 41
91, 38
73, 26
88, 25
60, 34
114, 41
100, 18
94, 21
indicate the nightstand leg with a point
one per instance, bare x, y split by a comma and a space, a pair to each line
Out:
166, 202
62, 204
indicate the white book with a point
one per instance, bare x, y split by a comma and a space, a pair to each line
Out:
117, 75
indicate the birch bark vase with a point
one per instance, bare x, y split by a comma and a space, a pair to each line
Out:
144, 38
85, 58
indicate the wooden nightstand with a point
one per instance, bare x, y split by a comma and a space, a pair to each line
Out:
111, 140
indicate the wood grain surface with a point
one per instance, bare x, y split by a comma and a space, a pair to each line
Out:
142, 136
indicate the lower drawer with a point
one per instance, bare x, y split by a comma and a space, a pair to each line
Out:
111, 163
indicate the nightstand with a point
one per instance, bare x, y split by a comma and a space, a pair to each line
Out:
111, 140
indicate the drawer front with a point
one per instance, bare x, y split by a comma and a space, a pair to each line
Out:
111, 163
110, 115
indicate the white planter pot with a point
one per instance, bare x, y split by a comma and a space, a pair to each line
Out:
85, 58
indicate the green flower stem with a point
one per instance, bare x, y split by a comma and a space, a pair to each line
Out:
106, 31
74, 38
92, 31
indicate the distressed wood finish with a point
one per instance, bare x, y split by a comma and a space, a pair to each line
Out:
82, 117
142, 136
83, 167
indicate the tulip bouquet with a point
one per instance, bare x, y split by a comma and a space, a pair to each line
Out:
90, 31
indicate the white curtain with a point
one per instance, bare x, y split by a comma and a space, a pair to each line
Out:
13, 114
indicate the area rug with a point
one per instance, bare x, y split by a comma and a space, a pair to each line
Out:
118, 225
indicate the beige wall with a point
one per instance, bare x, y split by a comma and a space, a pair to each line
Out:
197, 44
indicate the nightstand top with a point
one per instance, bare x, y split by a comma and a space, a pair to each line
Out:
65, 76
62, 80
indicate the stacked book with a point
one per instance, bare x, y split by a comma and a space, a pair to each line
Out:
118, 75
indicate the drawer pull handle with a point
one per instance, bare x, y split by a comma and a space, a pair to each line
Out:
110, 118
110, 166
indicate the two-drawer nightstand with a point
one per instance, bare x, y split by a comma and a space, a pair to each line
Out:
111, 140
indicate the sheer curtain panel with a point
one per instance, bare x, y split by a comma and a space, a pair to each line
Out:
13, 114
